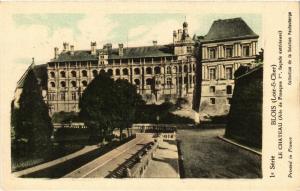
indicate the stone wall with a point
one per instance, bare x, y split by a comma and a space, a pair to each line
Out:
245, 115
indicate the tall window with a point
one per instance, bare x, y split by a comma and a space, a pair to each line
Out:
246, 51
148, 70
84, 73
185, 68
73, 84
73, 96
118, 72
110, 72
52, 84
137, 82
84, 83
212, 73
168, 70
157, 70
229, 89
212, 89
51, 97
63, 84
189, 49
229, 73
95, 73
52, 74
125, 71
228, 52
73, 74
63, 96
169, 82
212, 53
137, 71
63, 74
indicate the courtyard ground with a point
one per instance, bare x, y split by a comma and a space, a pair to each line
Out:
206, 156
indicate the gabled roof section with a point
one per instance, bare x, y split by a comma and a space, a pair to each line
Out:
40, 72
226, 29
21, 81
143, 52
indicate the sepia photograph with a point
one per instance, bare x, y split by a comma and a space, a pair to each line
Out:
143, 102
144, 95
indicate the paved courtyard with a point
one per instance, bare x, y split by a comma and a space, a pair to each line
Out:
206, 156
165, 162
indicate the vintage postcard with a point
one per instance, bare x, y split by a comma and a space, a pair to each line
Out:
132, 95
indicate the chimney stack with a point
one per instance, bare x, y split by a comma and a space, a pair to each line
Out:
93, 48
121, 49
155, 43
72, 49
66, 46
55, 52
174, 36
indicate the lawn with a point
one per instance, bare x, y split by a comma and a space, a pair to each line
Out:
206, 156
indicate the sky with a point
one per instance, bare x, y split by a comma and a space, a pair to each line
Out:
36, 35
40, 33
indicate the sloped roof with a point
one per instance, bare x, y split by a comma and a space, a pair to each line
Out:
40, 72
142, 52
21, 81
79, 55
130, 52
229, 29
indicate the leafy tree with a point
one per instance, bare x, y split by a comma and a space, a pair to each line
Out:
127, 101
31, 124
107, 104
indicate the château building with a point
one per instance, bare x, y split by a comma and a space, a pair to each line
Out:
200, 69
229, 44
160, 72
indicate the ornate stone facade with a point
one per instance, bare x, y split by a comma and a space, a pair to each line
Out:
159, 72
229, 44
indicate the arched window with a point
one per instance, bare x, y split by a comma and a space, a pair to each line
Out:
180, 68
229, 89
110, 72
168, 70
84, 83
62, 84
52, 84
125, 71
149, 81
73, 74
185, 80
95, 73
137, 82
84, 73
185, 68
148, 70
73, 84
169, 82
63, 74
117, 72
102, 71
175, 69
137, 71
157, 70
52, 74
